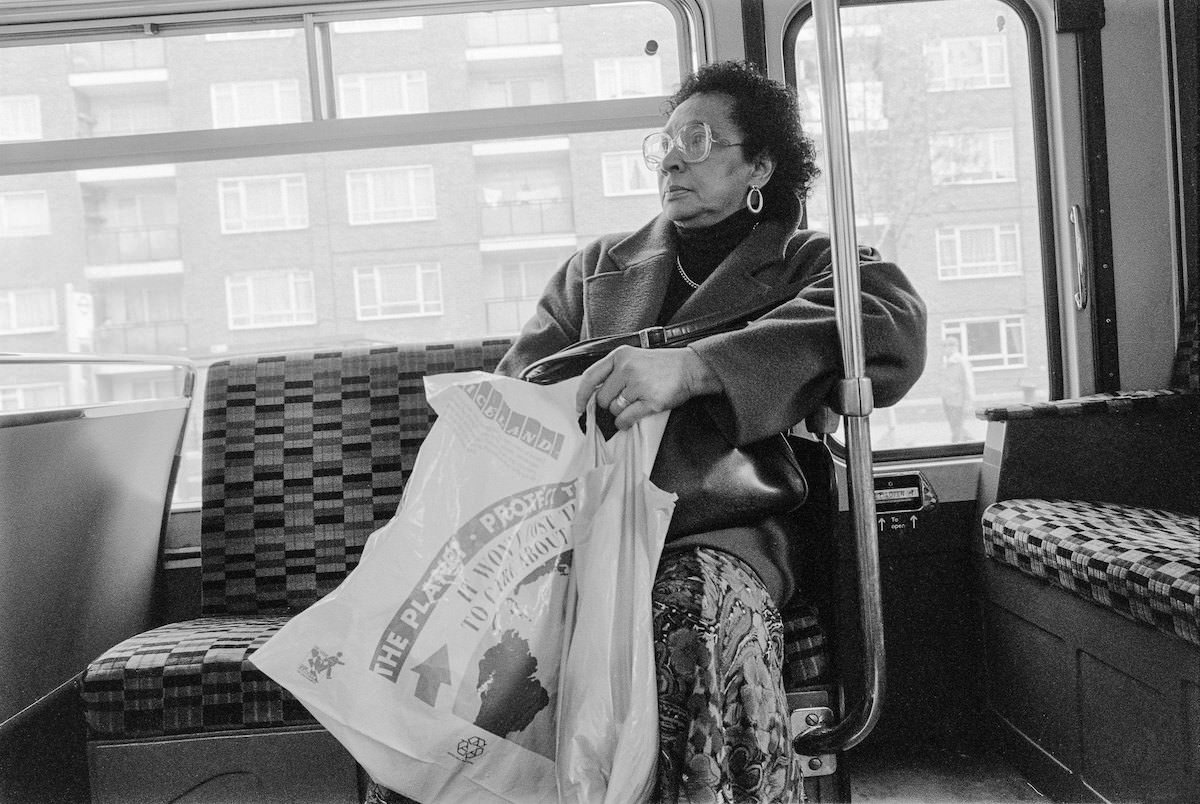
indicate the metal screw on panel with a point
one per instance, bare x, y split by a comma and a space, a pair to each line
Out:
812, 719
815, 763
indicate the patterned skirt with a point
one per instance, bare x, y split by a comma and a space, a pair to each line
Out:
724, 731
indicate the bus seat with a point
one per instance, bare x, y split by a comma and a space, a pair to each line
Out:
305, 455
1090, 553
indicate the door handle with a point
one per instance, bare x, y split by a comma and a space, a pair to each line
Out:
1079, 229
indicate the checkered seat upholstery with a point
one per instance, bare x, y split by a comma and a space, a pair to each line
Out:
1143, 563
1119, 522
305, 455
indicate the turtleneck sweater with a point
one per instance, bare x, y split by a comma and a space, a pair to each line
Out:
700, 251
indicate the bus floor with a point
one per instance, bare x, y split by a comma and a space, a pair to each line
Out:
926, 775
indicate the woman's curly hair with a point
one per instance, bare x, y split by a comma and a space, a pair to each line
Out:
769, 116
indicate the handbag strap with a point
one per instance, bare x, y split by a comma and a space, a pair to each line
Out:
712, 324
659, 337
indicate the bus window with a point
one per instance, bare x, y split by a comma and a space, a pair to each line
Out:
942, 132
399, 212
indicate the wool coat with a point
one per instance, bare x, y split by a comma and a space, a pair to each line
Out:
775, 372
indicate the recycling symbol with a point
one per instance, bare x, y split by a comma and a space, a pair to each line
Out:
471, 747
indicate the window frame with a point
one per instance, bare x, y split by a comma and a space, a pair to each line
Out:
18, 116
281, 87
625, 191
322, 131
957, 328
954, 141
235, 281
421, 272
363, 81
325, 131
794, 21
371, 216
946, 81
283, 179
8, 296
998, 233
46, 226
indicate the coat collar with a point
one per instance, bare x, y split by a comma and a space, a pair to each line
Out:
627, 293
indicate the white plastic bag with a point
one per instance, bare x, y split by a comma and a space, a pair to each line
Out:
436, 661
608, 710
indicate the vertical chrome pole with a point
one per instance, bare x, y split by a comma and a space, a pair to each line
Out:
855, 399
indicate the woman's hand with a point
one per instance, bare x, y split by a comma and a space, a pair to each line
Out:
633, 383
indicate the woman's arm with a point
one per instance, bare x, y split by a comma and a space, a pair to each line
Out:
780, 368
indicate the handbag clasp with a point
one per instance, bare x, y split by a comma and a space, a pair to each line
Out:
652, 337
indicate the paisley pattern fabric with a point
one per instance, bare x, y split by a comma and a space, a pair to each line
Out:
724, 730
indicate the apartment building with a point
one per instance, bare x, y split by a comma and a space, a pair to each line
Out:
239, 252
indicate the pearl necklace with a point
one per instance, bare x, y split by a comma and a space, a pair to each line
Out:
692, 284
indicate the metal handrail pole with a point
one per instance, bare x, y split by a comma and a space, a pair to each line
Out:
186, 365
855, 400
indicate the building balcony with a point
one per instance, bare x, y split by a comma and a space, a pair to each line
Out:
523, 218
134, 244
142, 338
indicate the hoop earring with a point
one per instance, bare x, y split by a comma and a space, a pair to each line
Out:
754, 199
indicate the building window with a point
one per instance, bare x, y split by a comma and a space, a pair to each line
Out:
514, 289
864, 105
20, 118
966, 62
258, 33
390, 195
270, 299
373, 26
518, 27
28, 310
263, 204
37, 396
631, 77
972, 157
24, 214
255, 103
371, 94
117, 55
626, 174
511, 91
967, 252
398, 291
990, 343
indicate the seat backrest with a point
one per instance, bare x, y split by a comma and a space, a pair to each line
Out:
305, 455
1186, 371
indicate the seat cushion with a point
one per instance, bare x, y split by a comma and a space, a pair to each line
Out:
193, 677
1141, 562
188, 678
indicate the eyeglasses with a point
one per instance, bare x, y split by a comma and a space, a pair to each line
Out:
694, 142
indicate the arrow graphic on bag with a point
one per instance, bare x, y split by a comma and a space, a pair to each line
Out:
433, 672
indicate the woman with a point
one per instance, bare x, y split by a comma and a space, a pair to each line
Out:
733, 170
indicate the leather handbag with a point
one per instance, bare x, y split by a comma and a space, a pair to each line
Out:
718, 485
